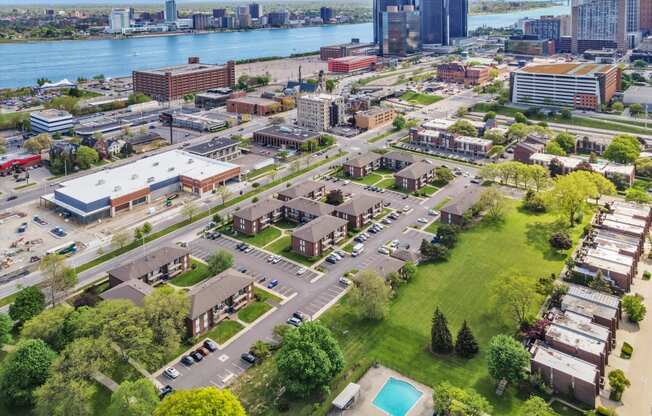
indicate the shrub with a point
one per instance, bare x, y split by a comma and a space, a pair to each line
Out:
561, 241
647, 275
626, 351
604, 411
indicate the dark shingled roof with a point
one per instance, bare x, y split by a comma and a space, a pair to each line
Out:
363, 160
415, 170
358, 204
254, 211
148, 263
215, 290
463, 202
134, 290
310, 206
386, 265
402, 156
301, 189
318, 228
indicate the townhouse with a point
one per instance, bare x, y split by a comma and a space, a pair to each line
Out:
599, 314
254, 218
583, 325
415, 176
578, 345
301, 210
568, 164
157, 266
217, 299
308, 189
319, 235
359, 210
474, 146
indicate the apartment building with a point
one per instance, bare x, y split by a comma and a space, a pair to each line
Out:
397, 160
567, 164
254, 218
308, 189
252, 105
359, 210
302, 210
453, 213
317, 236
415, 176
363, 165
457, 72
474, 146
157, 266
578, 345
320, 112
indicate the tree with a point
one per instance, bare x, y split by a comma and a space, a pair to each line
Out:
369, 296
29, 302
447, 235
566, 114
561, 241
634, 307
462, 111
618, 107
599, 283
489, 115
130, 332
309, 359
514, 295
49, 326
60, 396
223, 193
566, 141
219, 261
441, 341
58, 276
464, 128
639, 64
553, 148
189, 210
520, 118
539, 175
569, 193
496, 136
451, 400
465, 344
409, 271
165, 311
134, 398
38, 143
434, 252
518, 131
494, 202
507, 359
635, 109
623, 149
536, 406
399, 122
443, 175
637, 195
200, 401
6, 324
618, 383
603, 186
335, 197
119, 239
330, 85
23, 370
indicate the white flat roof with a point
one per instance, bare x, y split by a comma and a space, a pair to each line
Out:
575, 339
140, 174
344, 398
565, 363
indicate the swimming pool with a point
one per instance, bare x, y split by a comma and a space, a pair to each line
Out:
397, 397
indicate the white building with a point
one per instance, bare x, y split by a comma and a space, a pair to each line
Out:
51, 121
320, 111
119, 20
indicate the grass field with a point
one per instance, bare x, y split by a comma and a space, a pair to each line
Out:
253, 311
387, 183
282, 248
429, 190
461, 289
264, 295
420, 98
223, 331
368, 180
261, 239
192, 276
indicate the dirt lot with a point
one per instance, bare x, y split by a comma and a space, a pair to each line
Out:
283, 69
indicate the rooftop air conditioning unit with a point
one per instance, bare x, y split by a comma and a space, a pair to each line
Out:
117, 188
150, 179
155, 163
100, 182
171, 168
134, 176
190, 161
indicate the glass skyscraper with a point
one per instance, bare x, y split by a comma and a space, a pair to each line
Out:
170, 11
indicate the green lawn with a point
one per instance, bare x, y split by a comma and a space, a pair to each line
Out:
368, 180
263, 295
192, 276
420, 98
387, 183
223, 331
461, 289
432, 227
253, 311
429, 190
286, 225
261, 239
260, 172
442, 203
282, 248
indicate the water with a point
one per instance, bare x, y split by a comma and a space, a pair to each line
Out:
397, 397
22, 63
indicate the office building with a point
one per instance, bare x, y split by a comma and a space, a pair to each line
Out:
320, 111
119, 20
242, 16
352, 63
458, 13
255, 10
459, 73
278, 19
213, 98
374, 117
443, 20
284, 136
401, 34
170, 11
174, 82
379, 7
529, 45
326, 14
201, 21
645, 22
545, 27
598, 24
633, 23
346, 49
51, 121
219, 13
571, 85
252, 105
108, 192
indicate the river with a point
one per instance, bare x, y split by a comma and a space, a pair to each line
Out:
22, 63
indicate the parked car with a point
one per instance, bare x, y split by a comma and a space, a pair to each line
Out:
422, 220
11, 198
22, 228
301, 271
58, 232
272, 284
299, 316
39, 220
270, 258
34, 259
242, 269
406, 208
197, 356
383, 250
294, 321
394, 243
344, 281
164, 391
331, 259
387, 221
248, 249
171, 372
276, 259
203, 351
187, 360
248, 357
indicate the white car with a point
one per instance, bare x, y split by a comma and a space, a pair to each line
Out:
433, 212
394, 243
423, 220
276, 259
270, 259
406, 208
383, 250
346, 182
171, 372
301, 271
345, 281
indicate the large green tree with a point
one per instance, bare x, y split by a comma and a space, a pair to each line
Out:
62, 396
200, 401
464, 128
623, 149
6, 324
369, 296
23, 370
514, 296
634, 307
85, 157
49, 326
441, 340
569, 194
451, 400
507, 359
58, 277
566, 141
165, 311
29, 302
134, 398
309, 359
465, 344
219, 261
536, 406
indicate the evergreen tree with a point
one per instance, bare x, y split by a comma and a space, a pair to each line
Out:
441, 339
465, 344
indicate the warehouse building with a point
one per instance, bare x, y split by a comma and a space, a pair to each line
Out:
108, 192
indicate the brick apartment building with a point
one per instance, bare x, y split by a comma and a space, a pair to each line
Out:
317, 236
361, 166
301, 210
415, 176
359, 210
171, 83
308, 189
254, 218
252, 105
157, 266
459, 73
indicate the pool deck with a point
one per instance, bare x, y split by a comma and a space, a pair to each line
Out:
374, 380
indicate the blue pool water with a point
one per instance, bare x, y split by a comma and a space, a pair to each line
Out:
396, 397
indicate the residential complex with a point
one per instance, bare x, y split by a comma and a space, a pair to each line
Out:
318, 235
415, 176
598, 24
51, 121
172, 83
306, 189
320, 112
155, 267
575, 85
108, 192
359, 211
254, 218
